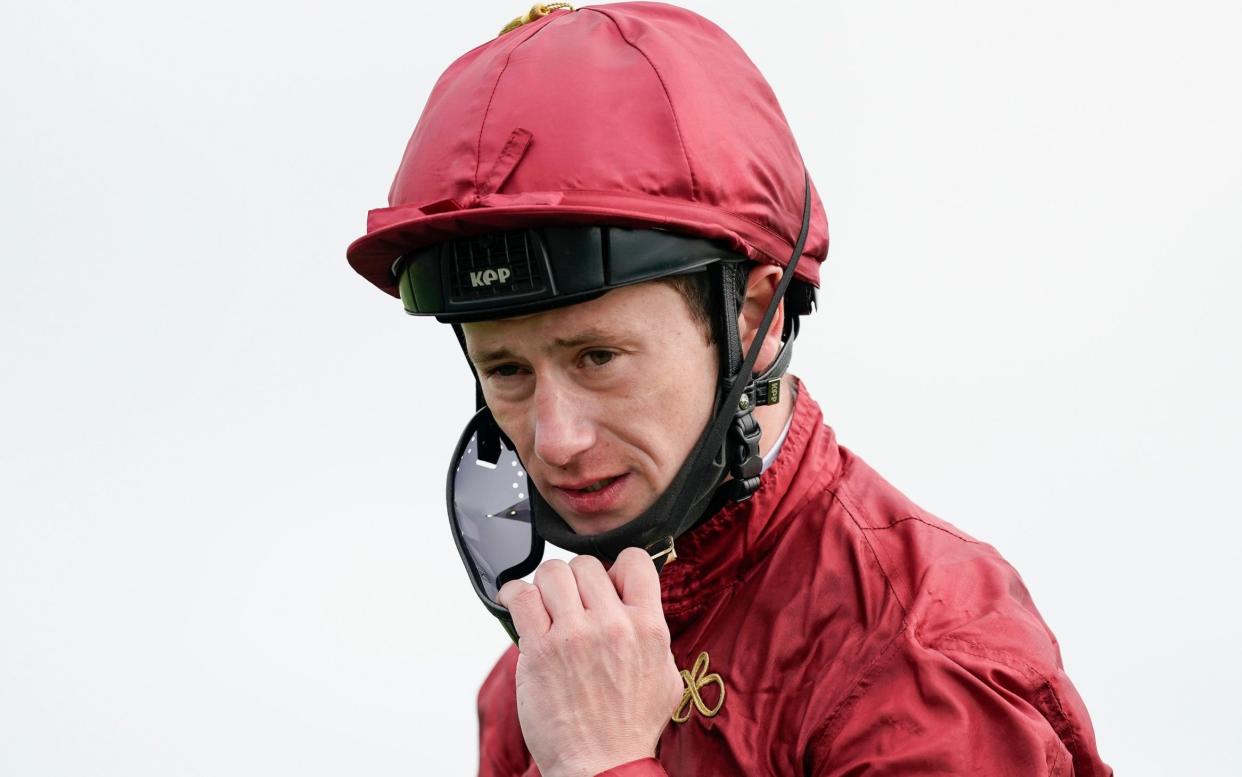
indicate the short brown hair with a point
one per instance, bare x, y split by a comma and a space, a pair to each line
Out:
695, 289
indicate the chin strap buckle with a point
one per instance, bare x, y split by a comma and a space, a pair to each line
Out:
662, 551
747, 464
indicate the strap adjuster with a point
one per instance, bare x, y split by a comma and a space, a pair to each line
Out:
767, 392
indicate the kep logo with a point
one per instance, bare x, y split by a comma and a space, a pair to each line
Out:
488, 277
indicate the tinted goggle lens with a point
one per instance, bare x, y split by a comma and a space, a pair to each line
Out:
489, 504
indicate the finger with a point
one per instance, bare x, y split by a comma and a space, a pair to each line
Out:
559, 589
525, 605
595, 588
636, 579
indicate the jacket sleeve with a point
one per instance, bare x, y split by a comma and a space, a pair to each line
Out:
502, 751
957, 708
646, 767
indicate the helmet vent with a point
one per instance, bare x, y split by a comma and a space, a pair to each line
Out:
494, 266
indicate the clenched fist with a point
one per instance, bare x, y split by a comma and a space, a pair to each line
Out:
596, 681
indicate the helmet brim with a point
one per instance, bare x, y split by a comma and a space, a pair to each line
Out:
392, 232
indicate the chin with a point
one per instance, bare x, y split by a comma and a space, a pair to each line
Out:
589, 527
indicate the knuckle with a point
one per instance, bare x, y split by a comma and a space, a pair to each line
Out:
584, 563
511, 591
632, 556
617, 631
653, 630
549, 569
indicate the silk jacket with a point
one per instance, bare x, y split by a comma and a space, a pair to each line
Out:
828, 626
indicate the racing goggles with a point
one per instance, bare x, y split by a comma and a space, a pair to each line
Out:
489, 507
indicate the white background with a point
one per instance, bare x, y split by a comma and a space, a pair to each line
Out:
223, 548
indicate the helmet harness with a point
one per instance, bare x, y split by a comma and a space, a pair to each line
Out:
569, 230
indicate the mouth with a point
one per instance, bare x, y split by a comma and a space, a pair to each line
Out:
593, 496
597, 485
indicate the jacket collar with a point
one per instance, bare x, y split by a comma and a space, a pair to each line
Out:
719, 552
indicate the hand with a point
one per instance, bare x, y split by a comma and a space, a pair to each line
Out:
596, 681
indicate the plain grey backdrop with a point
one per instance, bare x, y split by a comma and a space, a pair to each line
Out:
223, 548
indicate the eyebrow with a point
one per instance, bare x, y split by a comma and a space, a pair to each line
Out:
585, 337
497, 354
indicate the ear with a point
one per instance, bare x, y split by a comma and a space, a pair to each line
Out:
761, 284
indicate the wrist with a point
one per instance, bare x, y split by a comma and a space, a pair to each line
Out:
633, 765
643, 767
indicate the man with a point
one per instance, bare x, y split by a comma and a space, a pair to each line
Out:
608, 206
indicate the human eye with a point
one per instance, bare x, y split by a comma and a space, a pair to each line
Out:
503, 371
598, 357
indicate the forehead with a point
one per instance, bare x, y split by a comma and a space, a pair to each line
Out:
646, 311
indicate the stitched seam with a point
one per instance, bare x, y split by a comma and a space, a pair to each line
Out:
846, 503
1013, 662
478, 149
694, 187
925, 523
831, 725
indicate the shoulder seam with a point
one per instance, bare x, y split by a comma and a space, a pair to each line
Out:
839, 714
925, 523
838, 489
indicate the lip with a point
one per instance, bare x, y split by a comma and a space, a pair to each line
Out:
584, 503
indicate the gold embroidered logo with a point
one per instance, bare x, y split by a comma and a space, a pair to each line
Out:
696, 679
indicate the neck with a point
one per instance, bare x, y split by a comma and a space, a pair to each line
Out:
772, 418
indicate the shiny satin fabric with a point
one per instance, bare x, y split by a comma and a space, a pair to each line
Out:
627, 114
853, 633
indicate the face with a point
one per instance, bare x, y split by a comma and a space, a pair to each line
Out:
604, 399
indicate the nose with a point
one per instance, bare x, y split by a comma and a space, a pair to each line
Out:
563, 426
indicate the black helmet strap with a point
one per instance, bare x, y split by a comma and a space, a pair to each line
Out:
729, 442
694, 486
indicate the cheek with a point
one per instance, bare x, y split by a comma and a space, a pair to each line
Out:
697, 395
678, 408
